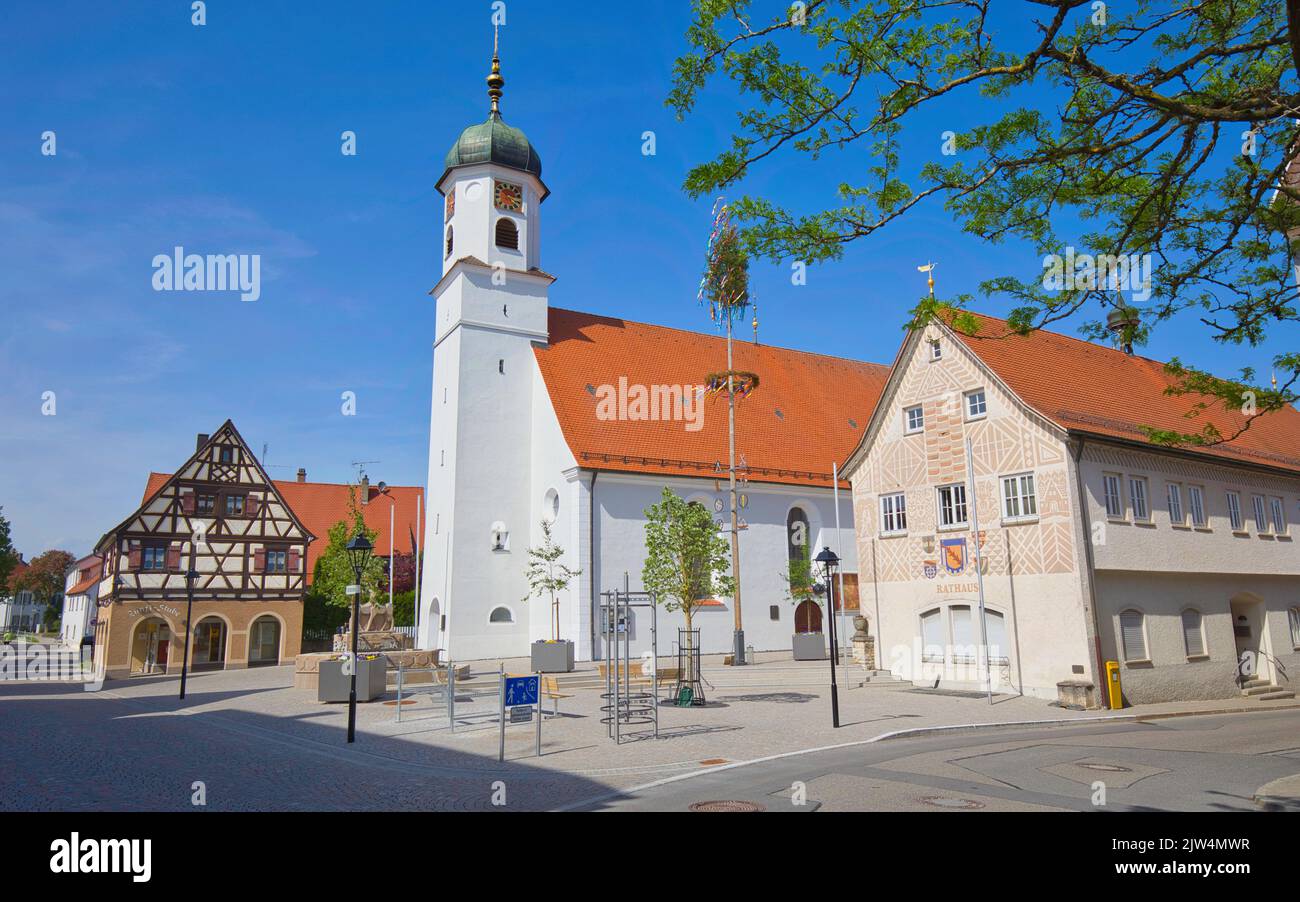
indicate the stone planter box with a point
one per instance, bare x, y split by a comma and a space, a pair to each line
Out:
809, 646
553, 657
334, 685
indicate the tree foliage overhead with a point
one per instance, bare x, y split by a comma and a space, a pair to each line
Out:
1165, 127
687, 559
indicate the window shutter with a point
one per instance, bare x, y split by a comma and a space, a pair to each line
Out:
252, 506
187, 502
133, 556
174, 558
1192, 633
259, 561
1135, 647
293, 560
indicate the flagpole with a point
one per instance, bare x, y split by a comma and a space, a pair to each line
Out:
835, 483
979, 572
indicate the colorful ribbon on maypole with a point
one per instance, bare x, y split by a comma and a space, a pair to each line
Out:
724, 287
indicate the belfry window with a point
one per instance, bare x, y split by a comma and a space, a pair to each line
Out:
507, 234
449, 242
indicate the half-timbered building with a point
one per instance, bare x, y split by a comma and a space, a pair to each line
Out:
221, 515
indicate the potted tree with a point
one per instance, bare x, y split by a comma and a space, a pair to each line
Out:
687, 563
809, 645
547, 576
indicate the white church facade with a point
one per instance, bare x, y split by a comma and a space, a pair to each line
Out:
544, 413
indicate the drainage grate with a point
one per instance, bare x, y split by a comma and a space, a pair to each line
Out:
727, 805
945, 802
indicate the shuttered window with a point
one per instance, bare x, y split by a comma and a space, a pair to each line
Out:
1114, 502
932, 636
1193, 636
999, 650
1174, 492
1234, 511
1137, 495
1196, 500
963, 634
507, 234
1133, 636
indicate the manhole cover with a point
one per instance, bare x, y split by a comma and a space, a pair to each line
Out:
1110, 768
726, 805
945, 802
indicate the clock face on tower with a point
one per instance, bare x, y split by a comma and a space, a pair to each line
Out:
509, 197
451, 204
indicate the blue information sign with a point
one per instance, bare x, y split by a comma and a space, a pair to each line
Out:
521, 690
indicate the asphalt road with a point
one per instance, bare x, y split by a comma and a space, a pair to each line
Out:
1205, 763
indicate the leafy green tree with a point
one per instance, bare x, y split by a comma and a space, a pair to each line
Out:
1161, 128
687, 560
548, 575
8, 557
333, 572
45, 577
799, 577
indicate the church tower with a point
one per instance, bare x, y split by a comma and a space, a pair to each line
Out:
491, 309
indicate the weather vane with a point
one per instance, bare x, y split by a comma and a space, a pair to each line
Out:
928, 269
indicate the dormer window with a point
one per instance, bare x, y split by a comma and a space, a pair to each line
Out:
507, 234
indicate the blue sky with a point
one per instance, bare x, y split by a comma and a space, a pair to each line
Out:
226, 139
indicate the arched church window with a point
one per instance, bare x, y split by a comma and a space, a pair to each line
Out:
449, 241
507, 234
796, 529
501, 615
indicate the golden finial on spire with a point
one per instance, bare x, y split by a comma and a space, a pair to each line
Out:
928, 269
494, 80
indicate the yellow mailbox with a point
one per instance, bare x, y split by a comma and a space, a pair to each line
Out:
1113, 689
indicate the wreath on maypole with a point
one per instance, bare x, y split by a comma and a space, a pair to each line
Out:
738, 381
724, 286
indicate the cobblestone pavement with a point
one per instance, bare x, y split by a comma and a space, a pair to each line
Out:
258, 744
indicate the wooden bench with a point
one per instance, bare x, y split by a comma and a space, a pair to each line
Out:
550, 688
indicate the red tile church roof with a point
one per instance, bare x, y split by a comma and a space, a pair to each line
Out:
808, 411
1093, 389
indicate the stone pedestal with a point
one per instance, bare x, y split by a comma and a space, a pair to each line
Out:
864, 646
1075, 694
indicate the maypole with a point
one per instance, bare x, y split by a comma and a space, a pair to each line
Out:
725, 289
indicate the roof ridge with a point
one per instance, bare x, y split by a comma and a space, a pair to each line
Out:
1045, 331
633, 322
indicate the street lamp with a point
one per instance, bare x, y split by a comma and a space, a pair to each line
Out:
190, 576
831, 563
359, 550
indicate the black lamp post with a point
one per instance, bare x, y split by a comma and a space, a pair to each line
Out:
359, 550
831, 563
190, 576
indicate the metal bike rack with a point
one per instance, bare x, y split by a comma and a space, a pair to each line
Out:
626, 705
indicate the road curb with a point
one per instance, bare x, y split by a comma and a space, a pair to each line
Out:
911, 734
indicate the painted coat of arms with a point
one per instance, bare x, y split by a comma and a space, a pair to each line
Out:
930, 568
954, 554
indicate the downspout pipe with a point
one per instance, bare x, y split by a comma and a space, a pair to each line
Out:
591, 559
1099, 676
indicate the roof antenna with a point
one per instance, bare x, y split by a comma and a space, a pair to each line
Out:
755, 322
928, 269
